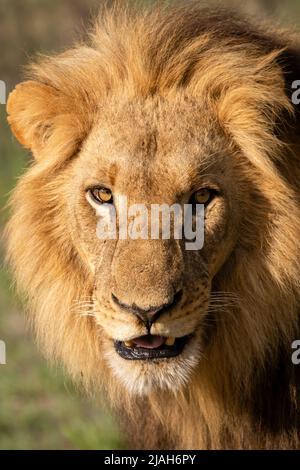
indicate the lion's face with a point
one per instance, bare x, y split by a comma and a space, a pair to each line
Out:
153, 152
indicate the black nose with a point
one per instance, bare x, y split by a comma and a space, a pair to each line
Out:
151, 314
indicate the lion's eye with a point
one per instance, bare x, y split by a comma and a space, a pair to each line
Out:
101, 195
203, 196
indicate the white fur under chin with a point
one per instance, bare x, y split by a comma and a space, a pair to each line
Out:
141, 377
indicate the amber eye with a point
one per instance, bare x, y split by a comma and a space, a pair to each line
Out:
203, 196
101, 195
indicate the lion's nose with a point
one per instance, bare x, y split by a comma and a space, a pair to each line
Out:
151, 314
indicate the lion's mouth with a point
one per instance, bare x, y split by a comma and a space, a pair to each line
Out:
151, 347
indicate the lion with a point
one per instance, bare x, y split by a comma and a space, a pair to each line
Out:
184, 104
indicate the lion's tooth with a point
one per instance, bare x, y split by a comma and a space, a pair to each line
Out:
128, 344
170, 341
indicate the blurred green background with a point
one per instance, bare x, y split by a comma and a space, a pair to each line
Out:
39, 407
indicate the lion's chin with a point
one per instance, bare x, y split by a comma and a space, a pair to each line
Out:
141, 377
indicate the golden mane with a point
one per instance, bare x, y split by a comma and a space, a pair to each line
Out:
248, 394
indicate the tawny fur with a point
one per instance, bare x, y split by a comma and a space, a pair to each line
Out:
244, 392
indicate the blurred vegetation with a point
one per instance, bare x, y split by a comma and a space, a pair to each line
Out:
39, 408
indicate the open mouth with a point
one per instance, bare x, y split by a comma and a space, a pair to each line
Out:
151, 347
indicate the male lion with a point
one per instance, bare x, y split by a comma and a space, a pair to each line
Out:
178, 104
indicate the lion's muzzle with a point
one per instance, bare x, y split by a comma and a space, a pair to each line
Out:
150, 315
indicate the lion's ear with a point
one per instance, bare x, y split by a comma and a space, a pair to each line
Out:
44, 119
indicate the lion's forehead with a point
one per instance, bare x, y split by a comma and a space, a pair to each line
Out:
150, 142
